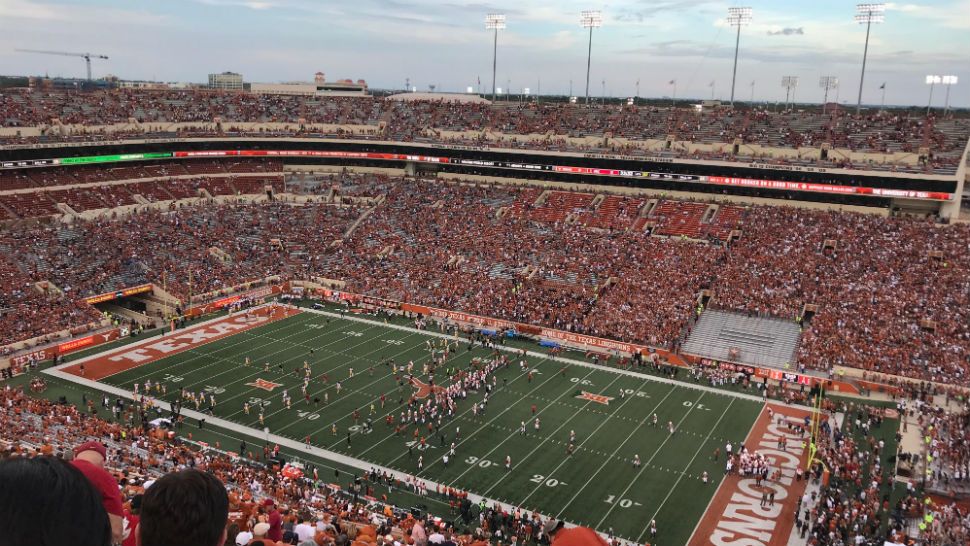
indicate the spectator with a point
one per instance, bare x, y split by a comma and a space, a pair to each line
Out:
47, 502
275, 520
418, 534
132, 516
187, 508
89, 458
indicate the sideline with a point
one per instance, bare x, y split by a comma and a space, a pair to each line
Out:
293, 445
564, 360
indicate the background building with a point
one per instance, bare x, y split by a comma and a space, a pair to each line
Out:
319, 86
226, 80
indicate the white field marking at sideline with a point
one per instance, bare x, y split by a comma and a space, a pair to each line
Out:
674, 487
557, 429
293, 445
607, 461
235, 367
196, 353
317, 461
655, 379
645, 465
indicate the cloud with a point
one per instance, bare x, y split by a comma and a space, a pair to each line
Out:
258, 5
799, 31
892, 6
639, 14
77, 14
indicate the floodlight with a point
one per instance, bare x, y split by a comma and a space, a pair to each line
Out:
737, 17
494, 22
590, 19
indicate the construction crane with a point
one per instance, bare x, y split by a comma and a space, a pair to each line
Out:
86, 56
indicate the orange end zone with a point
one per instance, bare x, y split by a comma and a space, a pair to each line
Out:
735, 515
138, 354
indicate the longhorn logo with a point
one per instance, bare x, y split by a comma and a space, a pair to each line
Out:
423, 389
598, 398
264, 384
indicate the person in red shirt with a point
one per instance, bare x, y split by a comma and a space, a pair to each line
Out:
89, 458
275, 520
131, 521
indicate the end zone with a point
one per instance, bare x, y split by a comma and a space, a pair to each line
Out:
735, 515
124, 358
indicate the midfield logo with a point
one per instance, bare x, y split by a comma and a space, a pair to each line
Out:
598, 398
264, 384
424, 390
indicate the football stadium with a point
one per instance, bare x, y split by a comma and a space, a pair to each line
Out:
333, 313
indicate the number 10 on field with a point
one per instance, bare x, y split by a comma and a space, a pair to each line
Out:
622, 503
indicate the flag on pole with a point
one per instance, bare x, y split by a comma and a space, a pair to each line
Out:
883, 86
671, 82
711, 84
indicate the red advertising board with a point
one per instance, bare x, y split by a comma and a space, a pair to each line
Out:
87, 341
825, 188
498, 324
37, 356
141, 289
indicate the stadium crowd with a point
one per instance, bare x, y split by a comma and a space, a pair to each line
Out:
262, 504
890, 294
427, 120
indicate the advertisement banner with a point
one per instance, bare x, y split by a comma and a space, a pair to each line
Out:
817, 187
35, 356
141, 289
87, 341
501, 324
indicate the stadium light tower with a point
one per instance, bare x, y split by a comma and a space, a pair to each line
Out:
948, 81
496, 22
737, 17
590, 19
932, 80
868, 14
789, 83
827, 83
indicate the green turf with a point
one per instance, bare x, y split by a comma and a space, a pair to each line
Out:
597, 485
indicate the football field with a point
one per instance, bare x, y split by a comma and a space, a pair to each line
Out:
609, 410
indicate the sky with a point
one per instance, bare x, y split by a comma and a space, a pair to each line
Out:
444, 43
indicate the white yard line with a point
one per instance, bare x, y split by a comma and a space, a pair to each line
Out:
723, 477
646, 464
236, 365
457, 416
684, 471
331, 355
129, 346
608, 460
546, 438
